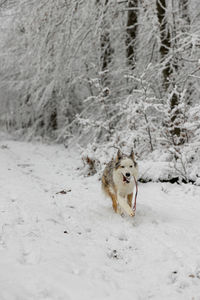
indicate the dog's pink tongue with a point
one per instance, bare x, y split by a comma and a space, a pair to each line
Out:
125, 179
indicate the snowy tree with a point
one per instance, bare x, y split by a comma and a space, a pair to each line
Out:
106, 73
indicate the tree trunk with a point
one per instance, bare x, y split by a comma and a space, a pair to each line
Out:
131, 32
53, 124
168, 68
165, 40
105, 44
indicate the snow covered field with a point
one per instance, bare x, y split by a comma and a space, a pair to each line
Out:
71, 246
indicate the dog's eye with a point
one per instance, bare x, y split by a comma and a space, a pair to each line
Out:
122, 167
131, 166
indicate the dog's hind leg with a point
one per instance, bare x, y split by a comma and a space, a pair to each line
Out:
130, 198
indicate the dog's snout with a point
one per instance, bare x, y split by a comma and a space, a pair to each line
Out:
128, 174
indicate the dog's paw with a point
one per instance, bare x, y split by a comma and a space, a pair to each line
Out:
132, 214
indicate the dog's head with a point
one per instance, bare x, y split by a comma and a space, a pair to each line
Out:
126, 166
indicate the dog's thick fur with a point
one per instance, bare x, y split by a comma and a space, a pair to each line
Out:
118, 181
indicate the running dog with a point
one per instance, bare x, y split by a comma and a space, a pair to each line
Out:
118, 182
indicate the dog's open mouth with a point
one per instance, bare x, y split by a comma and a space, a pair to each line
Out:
125, 179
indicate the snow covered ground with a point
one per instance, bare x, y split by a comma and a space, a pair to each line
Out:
71, 245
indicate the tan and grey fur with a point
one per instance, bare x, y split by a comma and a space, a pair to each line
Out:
117, 185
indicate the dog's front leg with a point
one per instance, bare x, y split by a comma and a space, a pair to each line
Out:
130, 198
124, 205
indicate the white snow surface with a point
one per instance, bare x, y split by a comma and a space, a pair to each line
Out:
101, 255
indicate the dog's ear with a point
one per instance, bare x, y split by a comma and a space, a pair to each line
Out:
132, 155
119, 155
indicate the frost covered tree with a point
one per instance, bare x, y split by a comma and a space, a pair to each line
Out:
103, 72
